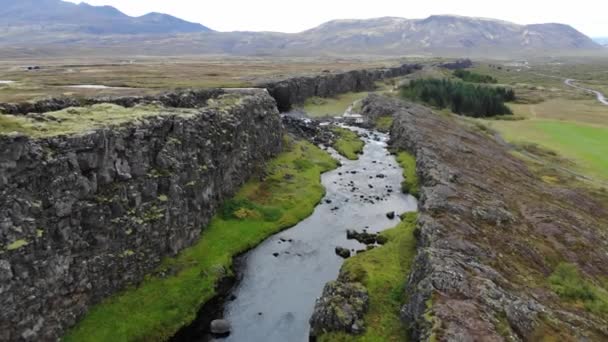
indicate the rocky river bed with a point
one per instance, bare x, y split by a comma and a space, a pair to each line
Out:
282, 277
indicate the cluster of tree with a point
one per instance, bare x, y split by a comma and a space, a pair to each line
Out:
469, 76
462, 98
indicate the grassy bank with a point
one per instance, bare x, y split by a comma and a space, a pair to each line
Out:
335, 106
410, 183
348, 143
383, 271
156, 309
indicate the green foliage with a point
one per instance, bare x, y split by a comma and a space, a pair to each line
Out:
384, 123
462, 98
162, 304
473, 77
348, 143
569, 284
383, 271
411, 183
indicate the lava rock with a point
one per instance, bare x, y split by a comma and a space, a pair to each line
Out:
340, 308
391, 215
343, 252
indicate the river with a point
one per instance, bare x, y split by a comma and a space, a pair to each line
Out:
276, 295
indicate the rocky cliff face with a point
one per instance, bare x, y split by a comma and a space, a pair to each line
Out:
294, 91
490, 233
84, 216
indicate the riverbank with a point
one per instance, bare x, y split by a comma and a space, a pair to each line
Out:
169, 298
486, 254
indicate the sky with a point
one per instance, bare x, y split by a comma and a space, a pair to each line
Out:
588, 16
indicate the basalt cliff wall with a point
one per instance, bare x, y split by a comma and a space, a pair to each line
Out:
294, 91
86, 215
490, 233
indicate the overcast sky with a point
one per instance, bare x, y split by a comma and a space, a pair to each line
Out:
588, 16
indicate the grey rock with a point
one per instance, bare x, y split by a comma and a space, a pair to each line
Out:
341, 308
343, 252
220, 327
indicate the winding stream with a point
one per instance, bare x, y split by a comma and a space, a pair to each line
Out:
276, 295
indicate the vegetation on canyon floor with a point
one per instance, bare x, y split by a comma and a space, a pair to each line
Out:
159, 306
469, 76
317, 107
570, 285
348, 143
383, 271
411, 183
384, 123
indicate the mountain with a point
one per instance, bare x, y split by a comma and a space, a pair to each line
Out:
54, 24
45, 16
601, 40
444, 33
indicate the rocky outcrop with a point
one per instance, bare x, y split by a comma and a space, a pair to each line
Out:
340, 309
178, 99
296, 90
457, 64
86, 215
490, 233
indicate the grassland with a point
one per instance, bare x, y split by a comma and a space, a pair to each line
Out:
317, 107
157, 308
348, 143
151, 75
569, 122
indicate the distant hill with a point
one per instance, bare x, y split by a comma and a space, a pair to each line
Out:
601, 40
53, 24
45, 16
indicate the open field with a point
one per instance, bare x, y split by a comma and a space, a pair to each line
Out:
149, 75
569, 122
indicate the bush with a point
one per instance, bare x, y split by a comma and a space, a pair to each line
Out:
461, 98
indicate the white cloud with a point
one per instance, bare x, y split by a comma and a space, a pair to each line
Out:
588, 16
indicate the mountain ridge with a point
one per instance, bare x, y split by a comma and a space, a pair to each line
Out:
51, 23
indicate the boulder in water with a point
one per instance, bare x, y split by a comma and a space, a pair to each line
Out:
220, 327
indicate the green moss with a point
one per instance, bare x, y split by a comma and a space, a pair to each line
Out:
163, 198
411, 183
383, 271
16, 245
384, 123
572, 286
81, 119
156, 309
348, 143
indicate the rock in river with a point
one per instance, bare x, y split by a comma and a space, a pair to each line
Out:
340, 308
343, 252
220, 327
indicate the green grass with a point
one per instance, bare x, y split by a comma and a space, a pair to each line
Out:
411, 182
348, 143
322, 107
156, 309
383, 271
585, 145
384, 123
570, 285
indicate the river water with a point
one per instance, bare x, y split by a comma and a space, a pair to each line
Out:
276, 295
